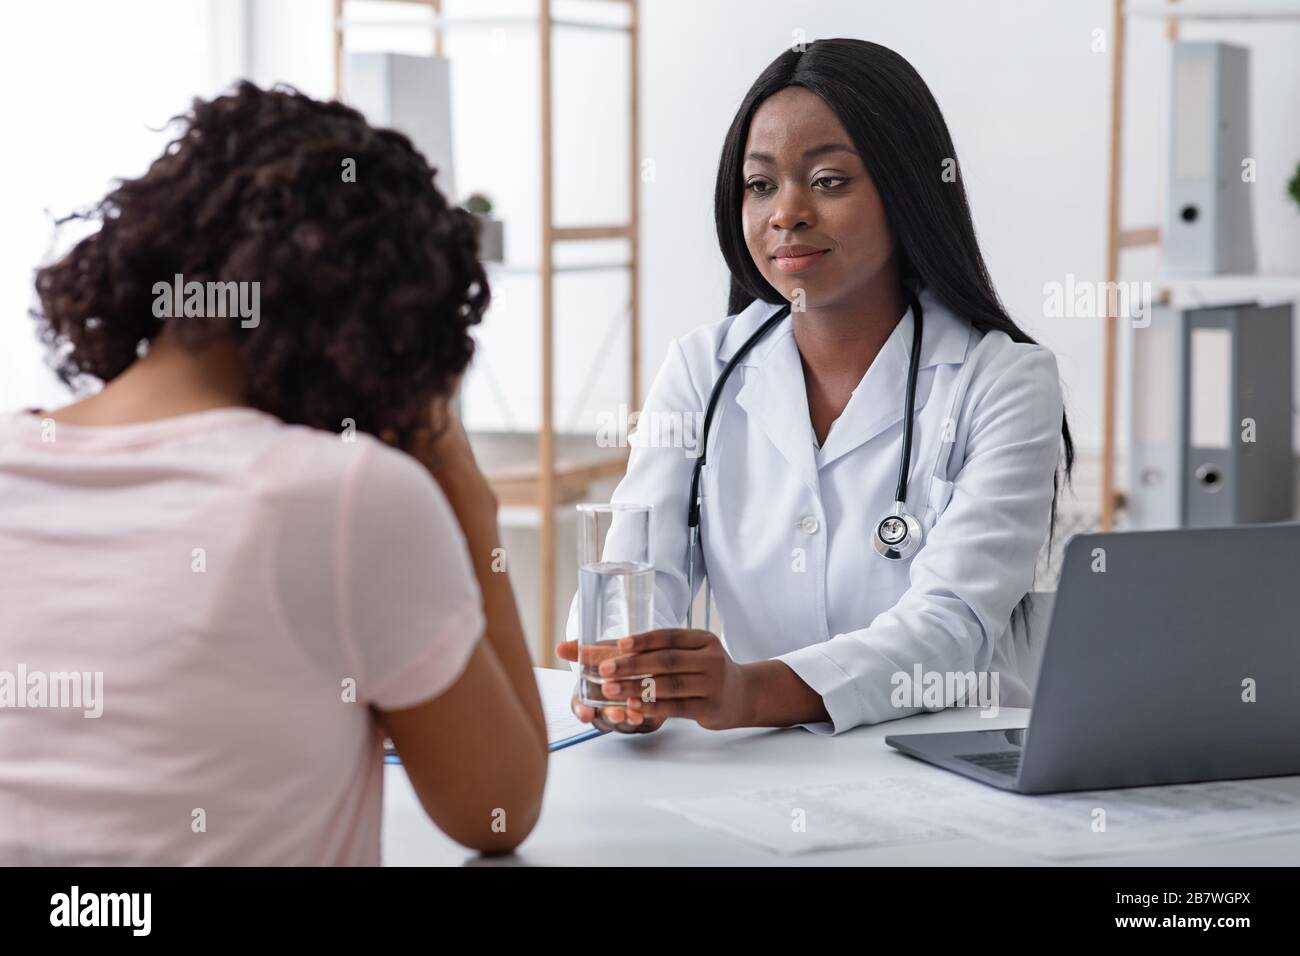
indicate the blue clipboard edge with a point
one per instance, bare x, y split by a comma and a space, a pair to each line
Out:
391, 757
575, 739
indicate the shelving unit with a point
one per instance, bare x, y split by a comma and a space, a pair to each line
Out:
1118, 238
545, 470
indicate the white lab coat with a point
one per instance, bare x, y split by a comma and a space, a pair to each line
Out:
786, 526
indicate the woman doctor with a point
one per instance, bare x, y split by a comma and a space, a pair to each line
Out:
846, 229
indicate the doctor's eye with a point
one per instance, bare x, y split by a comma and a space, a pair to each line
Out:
829, 183
754, 183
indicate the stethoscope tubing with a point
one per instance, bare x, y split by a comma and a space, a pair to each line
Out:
695, 503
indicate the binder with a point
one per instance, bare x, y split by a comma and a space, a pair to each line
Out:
411, 94
1212, 417
1209, 227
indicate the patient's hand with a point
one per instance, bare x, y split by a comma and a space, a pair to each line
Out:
444, 448
445, 452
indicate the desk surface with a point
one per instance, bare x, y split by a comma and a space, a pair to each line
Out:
595, 812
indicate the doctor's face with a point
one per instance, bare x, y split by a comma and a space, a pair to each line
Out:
812, 217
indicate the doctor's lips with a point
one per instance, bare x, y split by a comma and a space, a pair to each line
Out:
797, 258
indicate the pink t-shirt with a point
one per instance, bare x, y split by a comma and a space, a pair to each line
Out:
243, 592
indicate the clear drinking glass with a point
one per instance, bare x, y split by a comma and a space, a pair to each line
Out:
615, 587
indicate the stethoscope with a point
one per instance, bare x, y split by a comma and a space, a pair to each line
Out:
898, 534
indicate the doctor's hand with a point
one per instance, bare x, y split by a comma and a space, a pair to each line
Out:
675, 672
616, 718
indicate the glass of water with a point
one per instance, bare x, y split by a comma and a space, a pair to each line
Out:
616, 581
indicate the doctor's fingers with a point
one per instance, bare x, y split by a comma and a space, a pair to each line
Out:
615, 718
611, 718
658, 687
692, 708
624, 720
666, 637
646, 725
657, 662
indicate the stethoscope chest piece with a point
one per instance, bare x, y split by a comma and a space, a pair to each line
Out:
897, 535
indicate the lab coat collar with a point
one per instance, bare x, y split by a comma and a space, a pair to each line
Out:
775, 396
945, 337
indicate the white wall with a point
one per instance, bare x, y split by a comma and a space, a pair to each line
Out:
84, 87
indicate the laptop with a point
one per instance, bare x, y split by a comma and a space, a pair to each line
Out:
1170, 657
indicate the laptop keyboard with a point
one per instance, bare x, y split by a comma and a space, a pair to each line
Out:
999, 761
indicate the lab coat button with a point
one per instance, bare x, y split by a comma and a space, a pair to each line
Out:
809, 525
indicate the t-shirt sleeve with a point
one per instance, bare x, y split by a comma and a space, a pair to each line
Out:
411, 611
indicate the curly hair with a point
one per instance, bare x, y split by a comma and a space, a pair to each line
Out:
367, 288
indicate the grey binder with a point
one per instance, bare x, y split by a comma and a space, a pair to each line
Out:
1212, 393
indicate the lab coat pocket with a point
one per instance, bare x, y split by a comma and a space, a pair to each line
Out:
718, 501
706, 476
940, 495
708, 496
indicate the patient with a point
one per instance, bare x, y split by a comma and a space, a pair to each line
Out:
219, 590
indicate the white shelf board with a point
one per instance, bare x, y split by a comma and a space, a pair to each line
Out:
1207, 10
1224, 289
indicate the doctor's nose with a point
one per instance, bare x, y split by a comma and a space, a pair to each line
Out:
791, 212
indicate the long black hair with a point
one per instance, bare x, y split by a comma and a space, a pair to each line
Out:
899, 132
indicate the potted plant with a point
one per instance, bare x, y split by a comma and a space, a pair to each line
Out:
491, 235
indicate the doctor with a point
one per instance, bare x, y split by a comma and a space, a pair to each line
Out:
856, 279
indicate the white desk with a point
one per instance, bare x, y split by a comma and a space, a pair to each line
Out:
595, 812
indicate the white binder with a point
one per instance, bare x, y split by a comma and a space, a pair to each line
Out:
1209, 228
411, 94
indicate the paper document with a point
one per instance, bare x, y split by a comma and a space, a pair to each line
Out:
556, 688
918, 809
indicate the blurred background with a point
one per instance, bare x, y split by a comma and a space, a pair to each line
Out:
1083, 136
